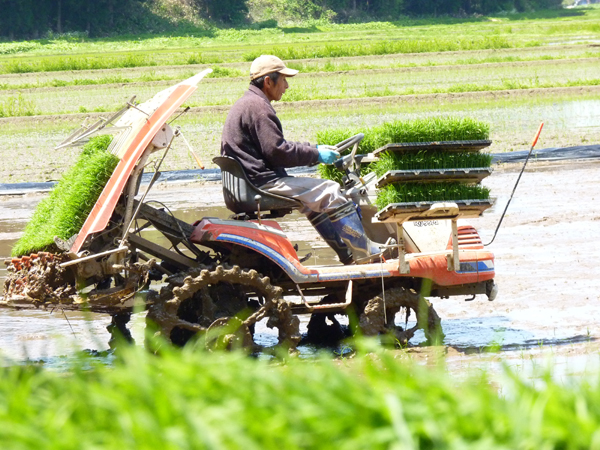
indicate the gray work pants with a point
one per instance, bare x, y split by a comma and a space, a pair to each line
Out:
314, 193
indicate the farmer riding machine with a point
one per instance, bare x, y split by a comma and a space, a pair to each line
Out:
218, 277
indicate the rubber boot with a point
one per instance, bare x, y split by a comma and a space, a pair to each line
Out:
324, 227
347, 224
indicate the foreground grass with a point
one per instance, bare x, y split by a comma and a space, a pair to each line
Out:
190, 399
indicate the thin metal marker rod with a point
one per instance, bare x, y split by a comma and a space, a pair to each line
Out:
118, 113
187, 108
190, 149
135, 107
67, 319
306, 304
537, 135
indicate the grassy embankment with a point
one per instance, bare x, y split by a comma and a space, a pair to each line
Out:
386, 79
170, 72
190, 399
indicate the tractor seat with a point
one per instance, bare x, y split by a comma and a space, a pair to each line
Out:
240, 194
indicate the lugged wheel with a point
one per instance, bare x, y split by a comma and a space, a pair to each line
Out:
377, 318
221, 298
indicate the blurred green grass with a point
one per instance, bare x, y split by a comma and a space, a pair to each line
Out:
190, 399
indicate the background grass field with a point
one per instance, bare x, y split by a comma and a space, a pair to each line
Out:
512, 71
378, 399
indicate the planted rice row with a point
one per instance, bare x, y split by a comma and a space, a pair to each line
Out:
353, 85
388, 47
171, 72
385, 47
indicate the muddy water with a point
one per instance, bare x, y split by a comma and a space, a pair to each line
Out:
546, 268
47, 335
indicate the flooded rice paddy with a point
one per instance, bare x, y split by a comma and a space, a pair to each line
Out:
546, 253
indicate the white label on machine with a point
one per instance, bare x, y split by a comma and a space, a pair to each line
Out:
429, 235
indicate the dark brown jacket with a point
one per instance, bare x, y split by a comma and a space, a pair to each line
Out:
253, 135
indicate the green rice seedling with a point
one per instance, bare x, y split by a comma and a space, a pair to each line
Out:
330, 173
375, 400
429, 192
430, 129
424, 159
384, 47
66, 208
225, 72
15, 106
332, 136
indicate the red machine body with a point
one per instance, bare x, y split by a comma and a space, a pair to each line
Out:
267, 239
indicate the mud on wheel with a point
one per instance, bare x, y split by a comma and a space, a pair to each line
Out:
377, 317
222, 304
39, 277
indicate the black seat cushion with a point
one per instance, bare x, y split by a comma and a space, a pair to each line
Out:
240, 193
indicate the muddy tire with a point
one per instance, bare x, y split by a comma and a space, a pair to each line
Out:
377, 317
200, 302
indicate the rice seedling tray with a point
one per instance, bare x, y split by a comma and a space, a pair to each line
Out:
474, 175
423, 210
456, 146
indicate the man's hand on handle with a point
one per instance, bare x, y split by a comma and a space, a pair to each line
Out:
327, 154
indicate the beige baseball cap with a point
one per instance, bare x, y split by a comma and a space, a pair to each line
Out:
266, 64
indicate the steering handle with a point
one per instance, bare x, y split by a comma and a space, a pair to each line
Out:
347, 143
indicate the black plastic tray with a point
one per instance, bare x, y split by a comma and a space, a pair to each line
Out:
454, 146
472, 175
